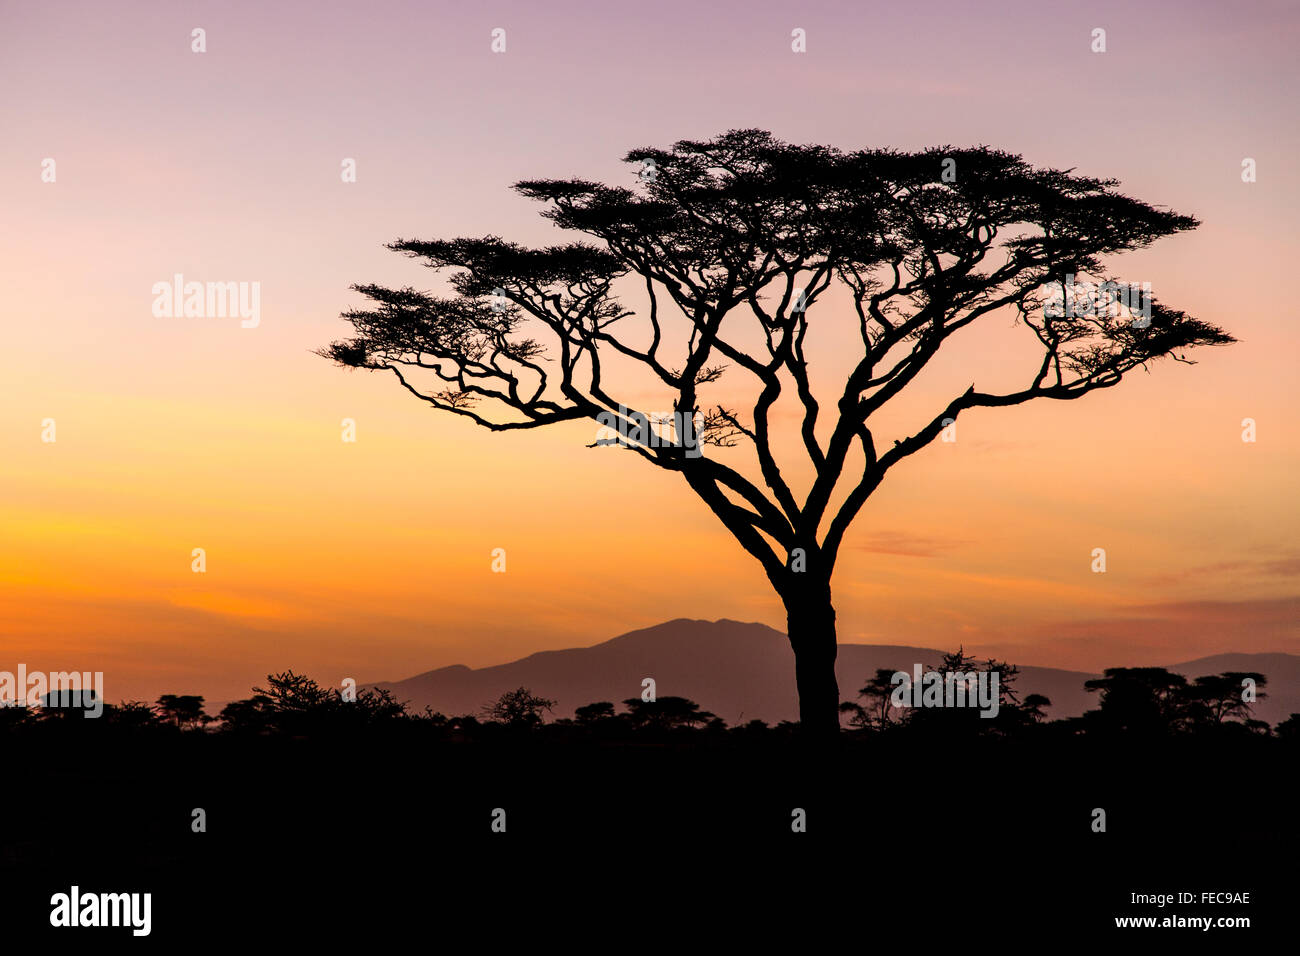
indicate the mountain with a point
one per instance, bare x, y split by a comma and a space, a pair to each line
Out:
745, 671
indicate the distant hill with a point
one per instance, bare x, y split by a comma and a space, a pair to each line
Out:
746, 671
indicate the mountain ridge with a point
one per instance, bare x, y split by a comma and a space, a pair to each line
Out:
745, 670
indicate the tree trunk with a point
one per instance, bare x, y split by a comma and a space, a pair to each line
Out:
810, 624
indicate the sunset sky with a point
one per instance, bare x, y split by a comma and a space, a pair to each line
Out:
373, 559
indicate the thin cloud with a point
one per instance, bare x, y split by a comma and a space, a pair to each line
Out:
907, 544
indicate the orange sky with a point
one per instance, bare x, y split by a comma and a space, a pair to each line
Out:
372, 559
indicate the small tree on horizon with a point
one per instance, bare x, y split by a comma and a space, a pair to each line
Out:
1139, 699
1216, 698
182, 710
736, 248
594, 713
666, 713
518, 708
878, 694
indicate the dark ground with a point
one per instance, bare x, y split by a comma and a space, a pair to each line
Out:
908, 848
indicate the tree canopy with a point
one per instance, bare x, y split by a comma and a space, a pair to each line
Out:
734, 248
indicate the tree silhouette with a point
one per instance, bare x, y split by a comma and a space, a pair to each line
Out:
296, 704
666, 713
183, 710
518, 708
1215, 698
1139, 699
293, 693
251, 715
731, 246
877, 693
1155, 701
594, 712
1289, 728
969, 719
135, 714
1032, 708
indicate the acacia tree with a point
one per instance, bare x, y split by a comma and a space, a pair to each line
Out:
729, 247
518, 708
183, 710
